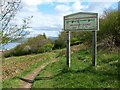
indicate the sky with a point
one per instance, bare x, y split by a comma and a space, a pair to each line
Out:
48, 14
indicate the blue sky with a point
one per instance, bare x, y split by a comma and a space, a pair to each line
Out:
49, 8
48, 14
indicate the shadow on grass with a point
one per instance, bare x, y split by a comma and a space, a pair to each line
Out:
62, 72
48, 78
90, 69
40, 78
26, 80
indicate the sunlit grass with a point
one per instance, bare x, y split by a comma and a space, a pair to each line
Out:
81, 74
21, 66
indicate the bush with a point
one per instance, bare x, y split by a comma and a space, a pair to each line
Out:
48, 47
41, 50
45, 48
39, 44
8, 53
74, 41
18, 51
27, 49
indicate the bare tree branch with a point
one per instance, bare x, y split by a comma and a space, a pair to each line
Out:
9, 31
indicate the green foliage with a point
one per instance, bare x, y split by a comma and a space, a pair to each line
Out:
61, 41
74, 41
45, 48
109, 28
19, 51
8, 53
41, 49
48, 47
107, 36
38, 44
109, 33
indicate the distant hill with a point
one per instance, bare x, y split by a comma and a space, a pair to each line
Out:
25, 39
20, 40
14, 44
53, 38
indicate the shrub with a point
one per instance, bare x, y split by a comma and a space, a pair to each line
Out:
39, 44
41, 50
74, 41
8, 53
45, 48
27, 49
48, 47
18, 50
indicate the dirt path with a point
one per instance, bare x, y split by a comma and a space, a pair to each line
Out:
27, 81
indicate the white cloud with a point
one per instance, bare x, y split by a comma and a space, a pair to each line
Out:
62, 8
48, 33
77, 6
51, 24
32, 2
41, 23
98, 7
37, 2
100, 0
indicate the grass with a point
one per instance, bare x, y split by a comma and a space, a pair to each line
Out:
81, 73
37, 60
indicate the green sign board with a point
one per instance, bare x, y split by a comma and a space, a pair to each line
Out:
81, 21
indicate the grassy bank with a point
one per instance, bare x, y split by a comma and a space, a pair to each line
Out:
81, 74
17, 67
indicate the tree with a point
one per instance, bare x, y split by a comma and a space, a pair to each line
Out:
38, 44
61, 41
109, 28
44, 35
9, 31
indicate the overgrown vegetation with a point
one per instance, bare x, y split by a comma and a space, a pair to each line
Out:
108, 35
39, 44
108, 38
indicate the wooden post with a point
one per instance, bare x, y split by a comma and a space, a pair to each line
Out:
68, 48
94, 48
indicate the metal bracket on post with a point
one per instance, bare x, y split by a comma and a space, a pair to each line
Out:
68, 48
94, 48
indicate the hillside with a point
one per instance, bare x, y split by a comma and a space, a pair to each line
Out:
34, 41
81, 74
